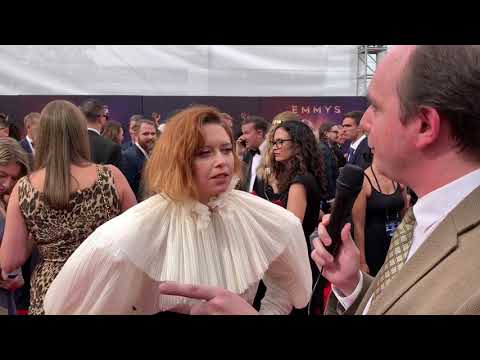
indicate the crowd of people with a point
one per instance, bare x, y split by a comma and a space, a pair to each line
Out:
80, 173
186, 216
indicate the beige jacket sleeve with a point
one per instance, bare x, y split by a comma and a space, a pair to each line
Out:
335, 308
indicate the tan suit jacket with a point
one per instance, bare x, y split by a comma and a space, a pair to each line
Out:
442, 277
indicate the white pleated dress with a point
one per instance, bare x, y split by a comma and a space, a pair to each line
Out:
234, 242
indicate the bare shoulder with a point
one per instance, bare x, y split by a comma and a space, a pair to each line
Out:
37, 174
297, 187
118, 176
114, 170
37, 178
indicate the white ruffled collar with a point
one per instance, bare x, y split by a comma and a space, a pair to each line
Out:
218, 204
230, 242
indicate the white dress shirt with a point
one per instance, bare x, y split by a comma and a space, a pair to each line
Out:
356, 143
255, 163
30, 144
256, 160
428, 215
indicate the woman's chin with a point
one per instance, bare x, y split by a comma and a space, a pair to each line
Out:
220, 190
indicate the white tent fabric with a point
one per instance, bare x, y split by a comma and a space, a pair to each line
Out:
181, 70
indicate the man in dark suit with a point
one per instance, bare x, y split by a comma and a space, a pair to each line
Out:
333, 137
359, 153
102, 150
31, 123
135, 156
327, 136
254, 130
132, 126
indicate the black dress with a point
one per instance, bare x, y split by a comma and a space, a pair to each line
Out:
314, 201
381, 219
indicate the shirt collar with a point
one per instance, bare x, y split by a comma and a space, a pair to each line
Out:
30, 143
427, 210
95, 130
356, 143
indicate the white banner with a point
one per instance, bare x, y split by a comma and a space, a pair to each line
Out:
190, 70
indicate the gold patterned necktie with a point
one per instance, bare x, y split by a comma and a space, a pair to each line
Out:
397, 253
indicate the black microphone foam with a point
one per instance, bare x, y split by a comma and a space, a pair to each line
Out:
349, 184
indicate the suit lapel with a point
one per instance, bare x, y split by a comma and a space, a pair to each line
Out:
358, 151
442, 241
366, 298
140, 154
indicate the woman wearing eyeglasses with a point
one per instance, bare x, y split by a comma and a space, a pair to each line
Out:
295, 179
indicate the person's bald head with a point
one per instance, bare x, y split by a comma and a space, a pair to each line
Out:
423, 103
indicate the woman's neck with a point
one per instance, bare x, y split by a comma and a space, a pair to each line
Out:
287, 165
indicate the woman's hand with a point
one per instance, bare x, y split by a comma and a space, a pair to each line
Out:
215, 300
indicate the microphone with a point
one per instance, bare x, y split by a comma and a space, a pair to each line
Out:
349, 184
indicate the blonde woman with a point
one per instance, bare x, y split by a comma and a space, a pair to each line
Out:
62, 202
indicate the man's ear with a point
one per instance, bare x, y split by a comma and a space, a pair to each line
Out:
428, 126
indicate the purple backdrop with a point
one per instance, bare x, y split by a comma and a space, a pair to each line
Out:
315, 109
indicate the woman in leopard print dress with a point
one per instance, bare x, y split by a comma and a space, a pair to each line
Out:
63, 201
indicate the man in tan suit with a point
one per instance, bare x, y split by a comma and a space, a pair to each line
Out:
425, 135
424, 124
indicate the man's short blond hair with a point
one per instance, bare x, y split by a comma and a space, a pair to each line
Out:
27, 120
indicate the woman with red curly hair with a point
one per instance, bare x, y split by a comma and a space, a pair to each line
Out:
194, 228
